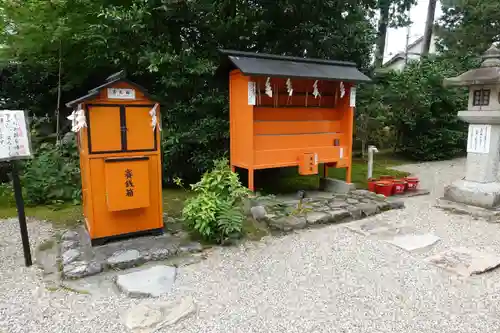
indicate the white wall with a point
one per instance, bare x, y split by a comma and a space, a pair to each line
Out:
413, 54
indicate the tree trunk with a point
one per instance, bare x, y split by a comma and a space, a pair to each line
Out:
382, 32
429, 25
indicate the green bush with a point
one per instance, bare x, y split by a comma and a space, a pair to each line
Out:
413, 111
424, 113
216, 211
53, 175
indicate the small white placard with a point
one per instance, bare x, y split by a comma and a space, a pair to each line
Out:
14, 135
352, 99
479, 139
252, 90
341, 152
121, 93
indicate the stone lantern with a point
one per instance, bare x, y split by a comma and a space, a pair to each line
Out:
480, 186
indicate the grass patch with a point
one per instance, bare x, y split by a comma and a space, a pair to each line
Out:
66, 288
69, 216
287, 180
381, 167
64, 216
173, 201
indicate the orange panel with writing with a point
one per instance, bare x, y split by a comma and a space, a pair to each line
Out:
308, 164
127, 183
140, 98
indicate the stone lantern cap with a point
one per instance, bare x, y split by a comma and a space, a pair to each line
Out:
488, 73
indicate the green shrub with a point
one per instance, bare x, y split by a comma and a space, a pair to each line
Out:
412, 111
7, 195
53, 175
215, 212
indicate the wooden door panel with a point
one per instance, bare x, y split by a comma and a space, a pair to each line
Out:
104, 128
140, 134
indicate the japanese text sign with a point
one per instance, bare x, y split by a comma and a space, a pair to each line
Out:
14, 135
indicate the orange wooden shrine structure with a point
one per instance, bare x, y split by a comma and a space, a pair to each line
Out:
283, 129
120, 160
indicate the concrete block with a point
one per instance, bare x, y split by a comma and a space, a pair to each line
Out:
335, 185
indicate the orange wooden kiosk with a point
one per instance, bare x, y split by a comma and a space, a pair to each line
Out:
120, 160
289, 111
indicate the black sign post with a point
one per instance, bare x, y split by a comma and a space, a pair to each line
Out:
18, 194
15, 144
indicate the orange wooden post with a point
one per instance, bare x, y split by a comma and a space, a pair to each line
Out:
349, 118
251, 185
120, 161
273, 127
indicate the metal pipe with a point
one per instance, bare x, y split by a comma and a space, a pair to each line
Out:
371, 150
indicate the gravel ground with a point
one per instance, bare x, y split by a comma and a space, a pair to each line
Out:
320, 280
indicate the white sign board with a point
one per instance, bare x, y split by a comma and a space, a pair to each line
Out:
15, 141
352, 99
479, 139
252, 91
121, 93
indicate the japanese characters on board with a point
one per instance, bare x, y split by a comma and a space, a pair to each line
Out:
14, 135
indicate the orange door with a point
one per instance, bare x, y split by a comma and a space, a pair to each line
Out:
140, 134
104, 128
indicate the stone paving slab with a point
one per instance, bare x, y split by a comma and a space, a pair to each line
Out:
465, 261
150, 282
382, 229
153, 317
413, 242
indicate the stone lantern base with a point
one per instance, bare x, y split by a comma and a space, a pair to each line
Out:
485, 195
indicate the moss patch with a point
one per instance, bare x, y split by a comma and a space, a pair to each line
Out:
254, 230
46, 245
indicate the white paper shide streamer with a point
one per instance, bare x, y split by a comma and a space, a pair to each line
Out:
78, 120
315, 89
154, 118
342, 90
289, 87
269, 90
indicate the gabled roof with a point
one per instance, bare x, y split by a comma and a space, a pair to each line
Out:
292, 67
112, 79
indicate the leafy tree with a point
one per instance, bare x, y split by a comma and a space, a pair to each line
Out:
469, 27
169, 46
423, 112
